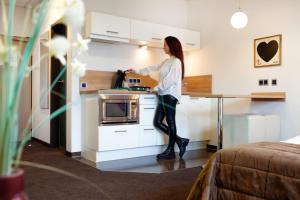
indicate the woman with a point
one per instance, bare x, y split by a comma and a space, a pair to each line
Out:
171, 73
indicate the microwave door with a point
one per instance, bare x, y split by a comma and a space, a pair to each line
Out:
115, 111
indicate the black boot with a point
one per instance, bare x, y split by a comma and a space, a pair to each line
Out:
182, 143
168, 154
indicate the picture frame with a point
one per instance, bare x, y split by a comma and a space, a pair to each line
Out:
267, 51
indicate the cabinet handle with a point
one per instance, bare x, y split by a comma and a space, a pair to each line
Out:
158, 39
190, 44
149, 97
112, 32
149, 129
124, 131
149, 108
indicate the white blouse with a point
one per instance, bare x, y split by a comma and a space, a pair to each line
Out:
169, 82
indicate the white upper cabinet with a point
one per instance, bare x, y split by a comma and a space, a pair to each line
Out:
101, 26
153, 35
190, 40
106, 27
149, 33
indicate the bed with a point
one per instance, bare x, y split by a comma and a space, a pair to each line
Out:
265, 170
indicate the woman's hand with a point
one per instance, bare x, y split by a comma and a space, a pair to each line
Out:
151, 91
130, 70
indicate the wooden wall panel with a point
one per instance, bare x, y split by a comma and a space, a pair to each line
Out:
97, 80
201, 84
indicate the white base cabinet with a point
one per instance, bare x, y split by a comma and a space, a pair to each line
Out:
118, 137
193, 118
250, 128
109, 142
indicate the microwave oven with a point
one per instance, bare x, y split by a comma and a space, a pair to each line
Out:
118, 108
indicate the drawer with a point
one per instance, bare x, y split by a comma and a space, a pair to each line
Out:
147, 113
148, 99
148, 136
118, 137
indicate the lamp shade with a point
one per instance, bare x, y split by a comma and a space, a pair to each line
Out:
239, 20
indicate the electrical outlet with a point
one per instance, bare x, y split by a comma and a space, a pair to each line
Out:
83, 85
266, 82
274, 82
260, 82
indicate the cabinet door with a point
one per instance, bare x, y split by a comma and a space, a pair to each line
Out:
150, 33
147, 32
148, 136
118, 137
148, 99
103, 26
193, 118
147, 113
162, 138
273, 127
190, 40
256, 128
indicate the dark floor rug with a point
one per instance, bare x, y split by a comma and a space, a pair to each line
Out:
42, 184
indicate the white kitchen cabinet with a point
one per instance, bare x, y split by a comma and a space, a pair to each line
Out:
147, 113
249, 128
118, 137
148, 136
101, 26
193, 118
190, 40
118, 141
148, 99
153, 35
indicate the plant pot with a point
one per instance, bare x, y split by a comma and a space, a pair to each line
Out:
12, 187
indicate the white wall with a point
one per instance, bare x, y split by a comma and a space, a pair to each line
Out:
228, 54
20, 28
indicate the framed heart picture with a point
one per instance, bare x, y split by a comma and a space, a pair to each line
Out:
267, 51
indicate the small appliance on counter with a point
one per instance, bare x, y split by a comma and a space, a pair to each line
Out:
139, 88
132, 84
119, 78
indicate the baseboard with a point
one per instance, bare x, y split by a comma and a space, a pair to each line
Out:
101, 156
40, 141
212, 148
73, 154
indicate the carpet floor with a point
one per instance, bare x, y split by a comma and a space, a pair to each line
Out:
43, 184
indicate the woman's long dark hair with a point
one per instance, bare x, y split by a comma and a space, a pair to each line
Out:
176, 50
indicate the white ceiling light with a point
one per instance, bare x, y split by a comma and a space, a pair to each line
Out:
239, 19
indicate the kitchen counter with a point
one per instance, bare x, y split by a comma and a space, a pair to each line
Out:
113, 91
280, 96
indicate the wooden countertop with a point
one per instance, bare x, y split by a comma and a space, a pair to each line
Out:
112, 91
208, 95
266, 96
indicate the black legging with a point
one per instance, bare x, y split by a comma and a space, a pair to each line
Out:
166, 108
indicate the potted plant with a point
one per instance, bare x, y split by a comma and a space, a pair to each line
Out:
14, 69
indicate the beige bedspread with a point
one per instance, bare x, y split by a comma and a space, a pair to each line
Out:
265, 170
